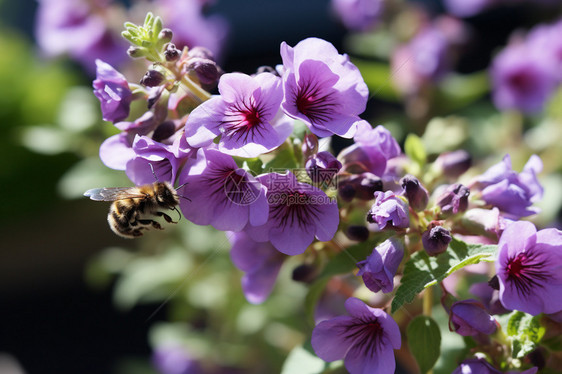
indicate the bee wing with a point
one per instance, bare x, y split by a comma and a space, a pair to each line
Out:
112, 193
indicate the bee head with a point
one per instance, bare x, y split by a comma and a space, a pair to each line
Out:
166, 195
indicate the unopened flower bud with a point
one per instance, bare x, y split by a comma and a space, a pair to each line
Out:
454, 164
436, 239
136, 52
304, 273
171, 53
322, 167
164, 131
310, 145
415, 193
207, 71
346, 190
357, 232
454, 199
165, 35
152, 78
368, 184
201, 52
470, 318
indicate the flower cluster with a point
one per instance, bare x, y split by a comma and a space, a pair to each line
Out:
248, 161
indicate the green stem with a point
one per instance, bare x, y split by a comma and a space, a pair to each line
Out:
427, 305
195, 89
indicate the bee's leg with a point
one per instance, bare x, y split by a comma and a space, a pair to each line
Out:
149, 222
166, 217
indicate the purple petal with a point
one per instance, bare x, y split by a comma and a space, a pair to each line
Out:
328, 338
116, 151
380, 361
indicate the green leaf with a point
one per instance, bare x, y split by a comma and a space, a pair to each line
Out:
255, 165
424, 341
284, 159
524, 331
415, 150
422, 271
302, 360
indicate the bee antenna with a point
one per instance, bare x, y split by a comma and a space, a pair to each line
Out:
183, 197
177, 188
153, 172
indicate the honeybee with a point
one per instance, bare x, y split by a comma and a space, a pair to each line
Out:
133, 208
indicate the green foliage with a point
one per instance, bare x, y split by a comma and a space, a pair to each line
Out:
146, 39
424, 341
284, 159
415, 150
423, 271
524, 331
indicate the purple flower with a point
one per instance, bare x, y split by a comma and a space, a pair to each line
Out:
481, 366
489, 297
415, 193
529, 268
298, 212
512, 192
221, 194
112, 90
76, 27
322, 88
174, 359
454, 199
261, 263
246, 115
545, 40
389, 209
470, 318
154, 158
522, 79
372, 149
436, 239
116, 151
358, 15
425, 58
322, 167
365, 339
476, 366
379, 268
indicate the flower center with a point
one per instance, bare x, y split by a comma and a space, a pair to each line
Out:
366, 335
293, 207
243, 121
521, 81
313, 104
526, 273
